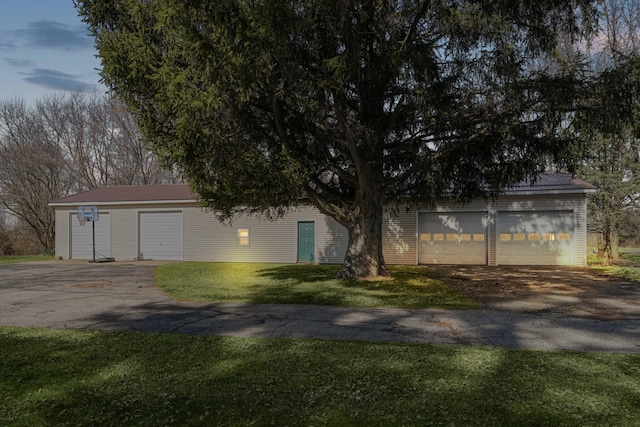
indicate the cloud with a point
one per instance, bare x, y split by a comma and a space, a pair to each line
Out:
7, 46
19, 63
54, 35
56, 80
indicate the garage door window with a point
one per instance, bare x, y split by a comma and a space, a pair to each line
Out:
452, 237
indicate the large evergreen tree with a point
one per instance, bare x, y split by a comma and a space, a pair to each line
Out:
349, 105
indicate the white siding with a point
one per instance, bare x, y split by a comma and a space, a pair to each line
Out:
491, 235
331, 239
201, 229
268, 241
206, 239
124, 228
63, 233
581, 234
399, 236
124, 233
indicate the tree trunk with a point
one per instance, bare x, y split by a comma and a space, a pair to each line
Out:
600, 253
608, 245
364, 258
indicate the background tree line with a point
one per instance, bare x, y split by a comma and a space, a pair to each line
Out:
58, 146
612, 129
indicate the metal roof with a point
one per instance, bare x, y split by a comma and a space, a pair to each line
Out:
552, 183
548, 183
129, 194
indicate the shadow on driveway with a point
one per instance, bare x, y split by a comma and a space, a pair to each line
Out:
122, 297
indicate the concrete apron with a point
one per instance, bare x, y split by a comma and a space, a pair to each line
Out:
122, 297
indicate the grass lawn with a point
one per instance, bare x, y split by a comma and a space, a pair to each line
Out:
409, 286
63, 377
12, 259
627, 267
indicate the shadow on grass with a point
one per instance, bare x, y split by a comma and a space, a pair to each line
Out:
302, 273
51, 377
99, 378
408, 287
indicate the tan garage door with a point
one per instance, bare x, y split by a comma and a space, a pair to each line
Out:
452, 238
82, 237
161, 235
535, 238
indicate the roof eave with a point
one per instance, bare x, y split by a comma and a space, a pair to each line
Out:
549, 192
120, 203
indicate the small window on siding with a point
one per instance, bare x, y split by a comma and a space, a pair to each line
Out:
425, 237
438, 237
478, 237
564, 236
533, 237
505, 237
243, 237
549, 236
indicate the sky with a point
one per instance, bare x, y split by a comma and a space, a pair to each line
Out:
45, 48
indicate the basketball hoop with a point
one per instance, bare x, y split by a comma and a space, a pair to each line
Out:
87, 213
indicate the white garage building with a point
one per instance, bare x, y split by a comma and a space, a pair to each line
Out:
544, 224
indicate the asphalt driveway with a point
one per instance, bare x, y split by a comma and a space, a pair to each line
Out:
122, 296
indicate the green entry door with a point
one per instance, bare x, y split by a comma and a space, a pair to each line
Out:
306, 241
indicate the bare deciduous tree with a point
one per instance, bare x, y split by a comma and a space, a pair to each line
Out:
613, 164
34, 169
102, 140
64, 144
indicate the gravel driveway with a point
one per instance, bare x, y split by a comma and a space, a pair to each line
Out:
567, 291
122, 297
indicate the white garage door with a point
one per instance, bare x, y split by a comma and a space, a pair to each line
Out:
452, 238
540, 238
161, 235
82, 238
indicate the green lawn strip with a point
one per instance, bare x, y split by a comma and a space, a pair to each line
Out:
627, 267
409, 287
628, 273
13, 259
63, 377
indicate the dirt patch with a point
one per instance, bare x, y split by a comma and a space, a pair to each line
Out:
91, 285
580, 292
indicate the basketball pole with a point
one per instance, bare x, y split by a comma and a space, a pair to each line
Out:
93, 232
